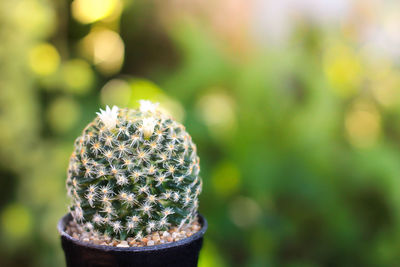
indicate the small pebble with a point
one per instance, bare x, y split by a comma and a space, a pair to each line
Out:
165, 234
123, 244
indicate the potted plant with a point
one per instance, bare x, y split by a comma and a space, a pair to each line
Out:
133, 179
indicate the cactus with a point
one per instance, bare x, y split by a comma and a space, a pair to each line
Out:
132, 172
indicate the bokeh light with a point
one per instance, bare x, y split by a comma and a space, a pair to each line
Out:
77, 76
217, 111
385, 83
89, 11
32, 16
363, 124
244, 211
116, 92
44, 59
63, 114
106, 50
343, 69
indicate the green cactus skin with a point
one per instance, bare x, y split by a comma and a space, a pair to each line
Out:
134, 177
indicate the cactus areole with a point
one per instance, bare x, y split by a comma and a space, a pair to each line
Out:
132, 172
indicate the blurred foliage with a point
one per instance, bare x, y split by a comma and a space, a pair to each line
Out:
298, 139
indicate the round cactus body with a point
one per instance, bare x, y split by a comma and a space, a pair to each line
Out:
133, 172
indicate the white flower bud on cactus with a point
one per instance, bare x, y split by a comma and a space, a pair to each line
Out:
109, 116
148, 106
148, 126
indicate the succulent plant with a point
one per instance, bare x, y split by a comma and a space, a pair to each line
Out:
132, 172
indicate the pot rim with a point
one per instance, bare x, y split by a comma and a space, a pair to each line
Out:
66, 218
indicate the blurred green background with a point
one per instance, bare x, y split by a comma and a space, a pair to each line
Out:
294, 106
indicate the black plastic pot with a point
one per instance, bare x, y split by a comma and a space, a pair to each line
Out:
184, 252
